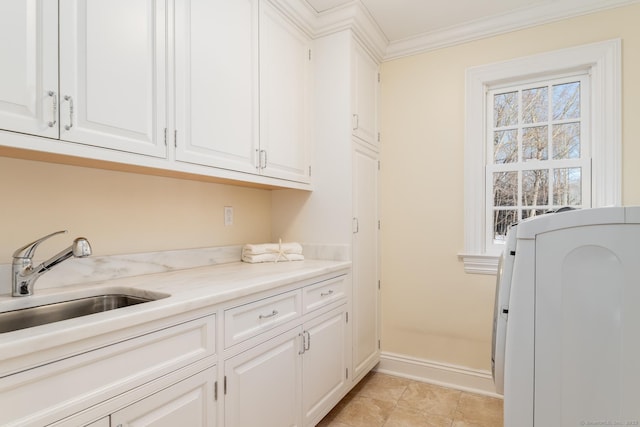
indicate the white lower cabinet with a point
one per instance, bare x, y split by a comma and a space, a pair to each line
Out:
296, 368
262, 384
104, 422
100, 381
189, 403
291, 380
324, 364
285, 355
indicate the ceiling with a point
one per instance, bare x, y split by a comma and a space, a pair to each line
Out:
405, 19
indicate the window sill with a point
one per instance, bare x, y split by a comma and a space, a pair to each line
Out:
479, 264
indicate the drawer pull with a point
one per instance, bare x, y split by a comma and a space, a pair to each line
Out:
326, 294
266, 316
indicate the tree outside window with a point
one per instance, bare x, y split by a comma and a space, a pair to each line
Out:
537, 151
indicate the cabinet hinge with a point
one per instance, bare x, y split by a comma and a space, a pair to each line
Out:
215, 391
309, 54
379, 345
224, 387
378, 224
309, 170
175, 138
347, 373
378, 284
378, 77
346, 317
165, 137
378, 160
378, 136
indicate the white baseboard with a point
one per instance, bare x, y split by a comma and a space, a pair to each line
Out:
457, 377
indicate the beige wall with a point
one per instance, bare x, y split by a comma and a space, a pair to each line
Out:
431, 309
122, 212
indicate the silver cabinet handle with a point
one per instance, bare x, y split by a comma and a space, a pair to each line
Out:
70, 99
326, 294
308, 346
355, 122
301, 351
55, 108
266, 316
262, 159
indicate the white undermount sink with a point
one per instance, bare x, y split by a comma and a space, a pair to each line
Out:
41, 311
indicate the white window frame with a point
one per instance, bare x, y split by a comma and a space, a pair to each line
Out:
603, 62
519, 166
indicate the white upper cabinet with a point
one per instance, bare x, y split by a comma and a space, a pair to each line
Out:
242, 87
112, 74
216, 83
29, 52
365, 86
285, 57
180, 84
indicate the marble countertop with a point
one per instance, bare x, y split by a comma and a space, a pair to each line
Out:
189, 289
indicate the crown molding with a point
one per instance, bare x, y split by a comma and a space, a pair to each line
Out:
475, 30
355, 17
351, 16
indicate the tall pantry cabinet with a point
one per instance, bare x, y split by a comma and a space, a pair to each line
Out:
343, 208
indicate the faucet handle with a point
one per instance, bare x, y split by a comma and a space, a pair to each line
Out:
28, 250
81, 248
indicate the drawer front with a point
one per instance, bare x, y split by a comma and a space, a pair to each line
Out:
48, 393
249, 320
323, 293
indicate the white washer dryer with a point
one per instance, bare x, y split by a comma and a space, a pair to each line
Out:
572, 339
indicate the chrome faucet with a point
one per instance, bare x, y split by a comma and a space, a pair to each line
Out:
24, 275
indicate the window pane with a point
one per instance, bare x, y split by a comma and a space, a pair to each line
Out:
505, 109
502, 220
505, 146
529, 213
566, 101
566, 141
567, 186
505, 188
534, 143
535, 105
535, 187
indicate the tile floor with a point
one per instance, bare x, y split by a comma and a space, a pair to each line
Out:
381, 400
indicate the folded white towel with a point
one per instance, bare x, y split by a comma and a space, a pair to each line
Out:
272, 252
274, 257
266, 248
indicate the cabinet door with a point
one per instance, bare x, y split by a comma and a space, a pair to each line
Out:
284, 97
365, 260
217, 82
29, 51
365, 96
187, 403
263, 384
324, 364
104, 422
112, 74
